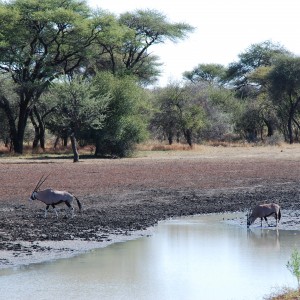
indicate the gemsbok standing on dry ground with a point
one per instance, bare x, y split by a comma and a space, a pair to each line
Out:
53, 197
263, 211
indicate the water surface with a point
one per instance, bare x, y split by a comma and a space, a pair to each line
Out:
200, 257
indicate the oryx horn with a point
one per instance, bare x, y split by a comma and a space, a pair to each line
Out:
41, 181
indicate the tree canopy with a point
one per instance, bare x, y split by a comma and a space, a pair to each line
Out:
108, 64
257, 55
211, 73
124, 45
40, 41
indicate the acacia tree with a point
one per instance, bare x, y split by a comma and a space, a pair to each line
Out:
243, 75
210, 73
284, 88
126, 119
179, 112
165, 119
124, 47
79, 109
257, 55
40, 41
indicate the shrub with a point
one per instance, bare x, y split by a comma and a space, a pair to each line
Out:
293, 265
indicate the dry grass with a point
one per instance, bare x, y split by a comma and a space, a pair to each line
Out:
156, 146
60, 150
284, 294
151, 145
161, 146
152, 149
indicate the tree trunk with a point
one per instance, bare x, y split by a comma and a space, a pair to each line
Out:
6, 142
188, 137
290, 130
170, 137
5, 105
56, 142
292, 112
97, 148
19, 139
270, 127
65, 140
178, 137
74, 148
41, 126
17, 133
35, 142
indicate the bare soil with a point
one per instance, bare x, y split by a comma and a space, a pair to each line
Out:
121, 196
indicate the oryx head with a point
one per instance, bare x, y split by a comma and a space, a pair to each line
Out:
249, 218
35, 191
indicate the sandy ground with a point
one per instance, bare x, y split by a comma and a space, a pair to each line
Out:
123, 198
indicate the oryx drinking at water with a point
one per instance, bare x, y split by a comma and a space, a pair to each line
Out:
53, 197
263, 211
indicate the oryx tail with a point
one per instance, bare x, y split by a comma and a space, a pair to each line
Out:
78, 203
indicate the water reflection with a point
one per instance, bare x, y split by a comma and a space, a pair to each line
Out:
191, 258
264, 239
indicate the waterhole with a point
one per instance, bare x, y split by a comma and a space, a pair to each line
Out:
201, 257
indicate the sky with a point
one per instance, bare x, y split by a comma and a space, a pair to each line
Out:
223, 29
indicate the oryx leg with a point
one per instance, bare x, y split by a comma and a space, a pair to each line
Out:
47, 208
54, 208
71, 208
46, 211
266, 221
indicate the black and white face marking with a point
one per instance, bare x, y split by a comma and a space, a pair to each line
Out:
33, 196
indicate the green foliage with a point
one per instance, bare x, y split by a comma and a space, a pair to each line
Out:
293, 265
284, 78
238, 74
78, 107
165, 120
284, 90
224, 99
153, 28
125, 123
222, 109
124, 45
257, 55
251, 76
41, 35
260, 75
197, 111
178, 113
40, 41
211, 73
249, 123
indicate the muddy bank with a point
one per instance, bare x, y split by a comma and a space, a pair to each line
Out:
27, 237
123, 198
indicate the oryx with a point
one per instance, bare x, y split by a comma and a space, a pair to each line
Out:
53, 197
263, 211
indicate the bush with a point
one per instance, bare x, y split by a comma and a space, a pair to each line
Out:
293, 265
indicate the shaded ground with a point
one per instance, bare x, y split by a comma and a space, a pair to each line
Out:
122, 196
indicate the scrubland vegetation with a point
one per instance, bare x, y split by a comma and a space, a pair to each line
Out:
284, 294
100, 91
